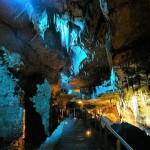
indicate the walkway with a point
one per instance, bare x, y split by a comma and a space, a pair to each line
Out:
74, 138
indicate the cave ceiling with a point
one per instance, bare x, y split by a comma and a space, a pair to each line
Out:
74, 44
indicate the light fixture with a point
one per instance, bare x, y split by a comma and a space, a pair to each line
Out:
88, 133
80, 102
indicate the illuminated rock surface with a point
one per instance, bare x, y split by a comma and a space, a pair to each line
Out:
53, 52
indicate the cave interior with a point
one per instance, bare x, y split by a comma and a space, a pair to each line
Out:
61, 54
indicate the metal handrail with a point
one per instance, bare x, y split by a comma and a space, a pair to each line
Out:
108, 125
127, 146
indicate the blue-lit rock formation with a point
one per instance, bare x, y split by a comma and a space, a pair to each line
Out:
11, 111
77, 57
107, 86
65, 83
54, 138
41, 102
70, 33
104, 7
63, 27
40, 20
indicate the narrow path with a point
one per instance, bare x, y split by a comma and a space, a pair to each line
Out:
74, 137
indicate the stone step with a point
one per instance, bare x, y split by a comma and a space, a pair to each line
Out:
74, 138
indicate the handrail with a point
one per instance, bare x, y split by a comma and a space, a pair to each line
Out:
108, 125
116, 134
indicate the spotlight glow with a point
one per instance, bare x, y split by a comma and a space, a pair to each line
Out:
88, 133
80, 102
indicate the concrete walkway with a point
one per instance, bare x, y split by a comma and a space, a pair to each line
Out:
74, 138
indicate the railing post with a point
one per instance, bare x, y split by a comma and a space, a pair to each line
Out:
74, 113
85, 115
118, 144
100, 131
105, 139
62, 112
69, 113
95, 119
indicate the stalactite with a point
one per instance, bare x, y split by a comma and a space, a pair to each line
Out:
70, 36
139, 79
127, 81
39, 19
108, 49
135, 106
147, 80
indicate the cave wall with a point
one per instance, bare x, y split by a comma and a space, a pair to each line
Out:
92, 47
11, 112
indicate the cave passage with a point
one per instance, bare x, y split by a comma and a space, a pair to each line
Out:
74, 74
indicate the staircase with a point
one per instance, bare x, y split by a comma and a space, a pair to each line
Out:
74, 137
